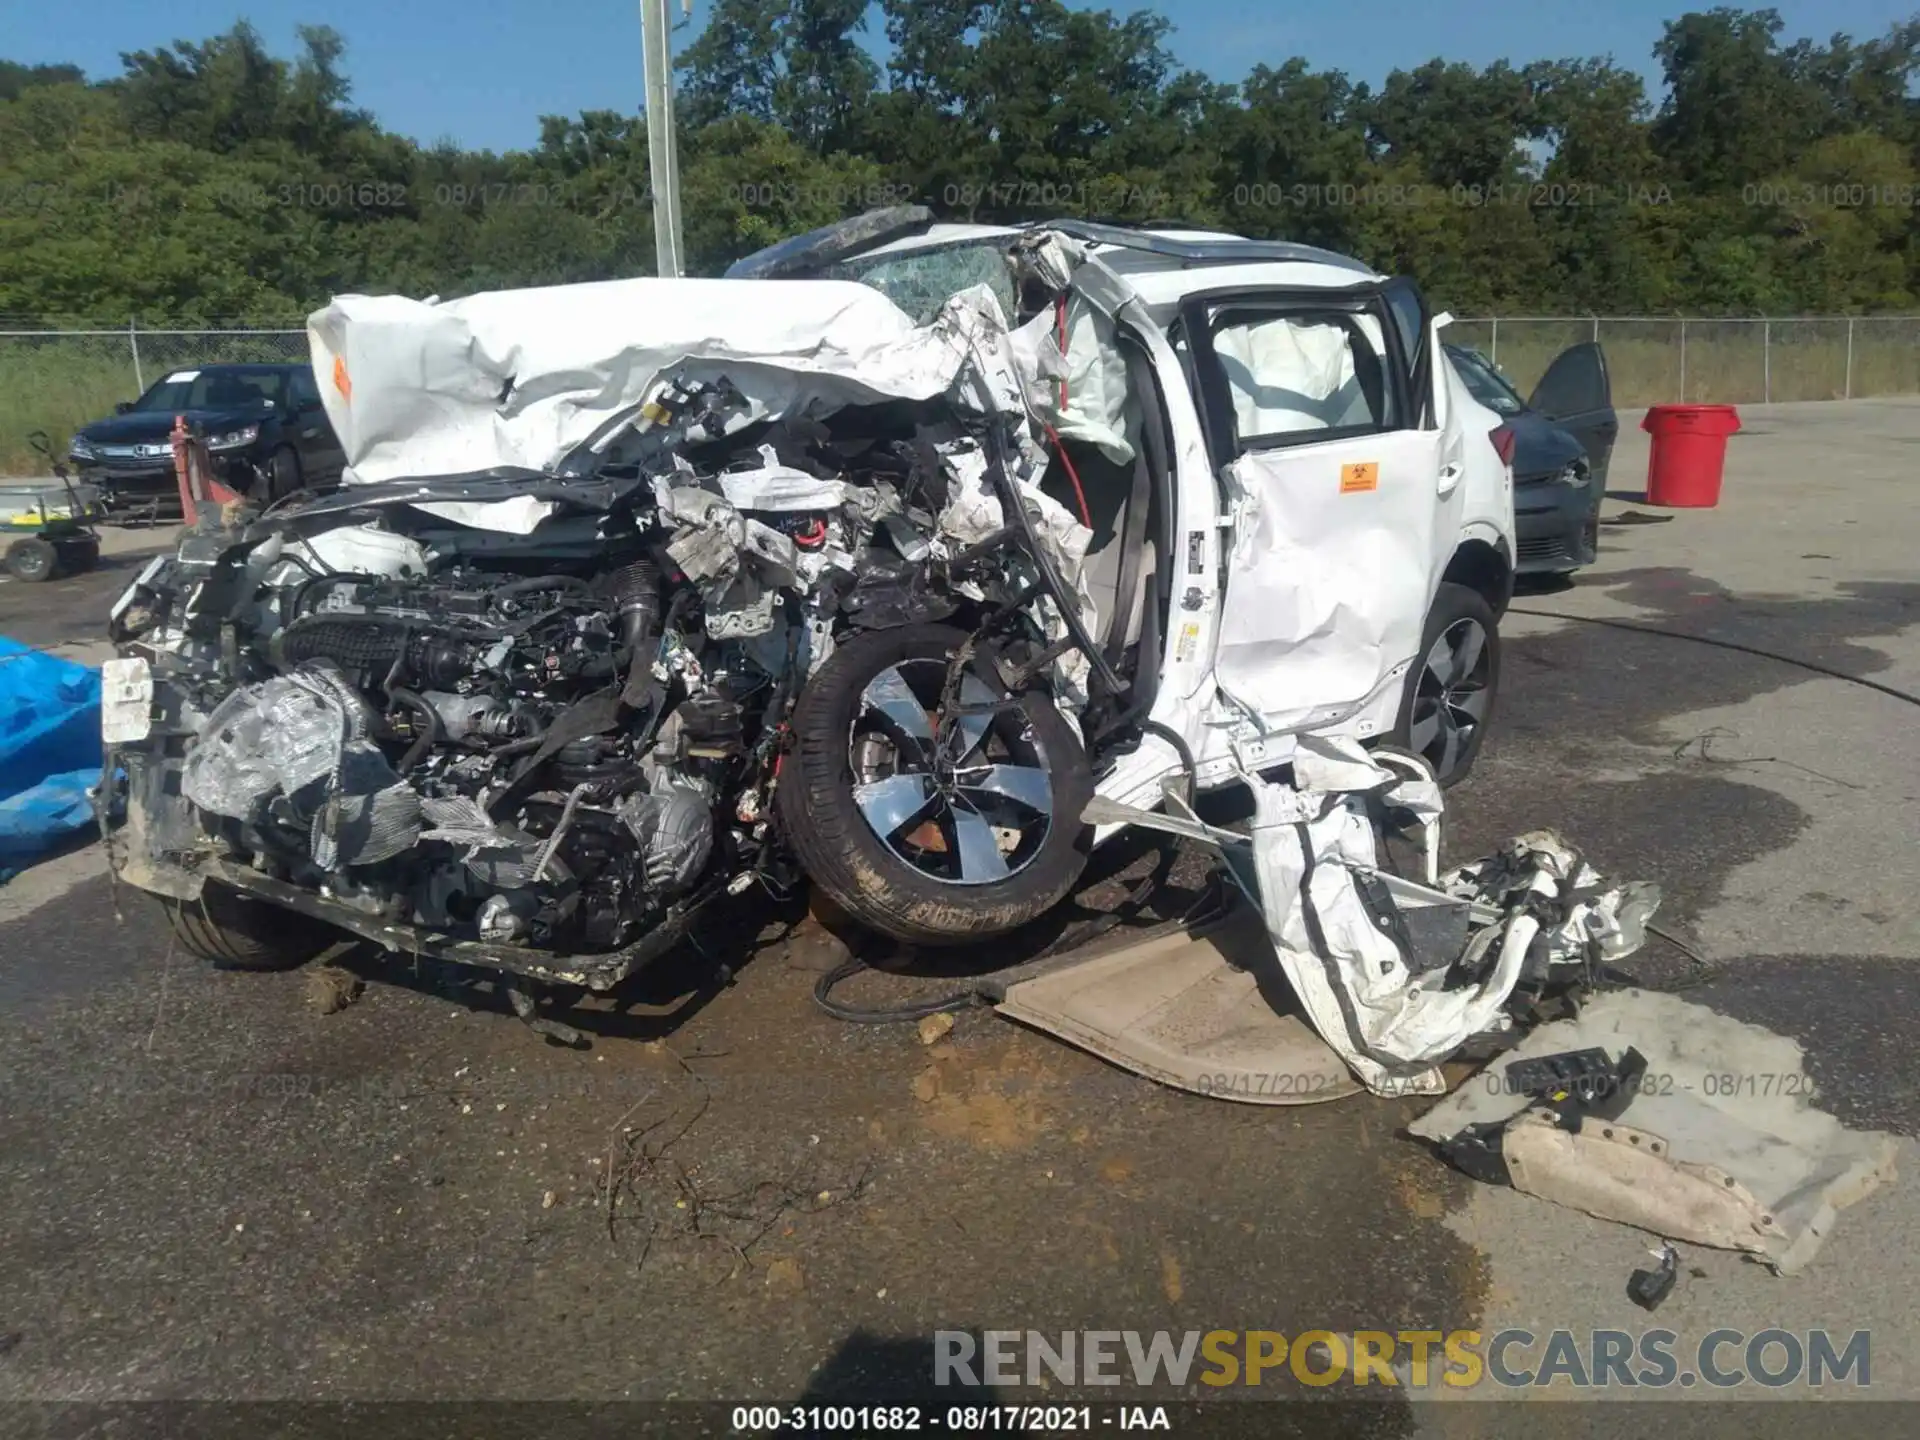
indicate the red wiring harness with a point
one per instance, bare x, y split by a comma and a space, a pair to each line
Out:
1059, 446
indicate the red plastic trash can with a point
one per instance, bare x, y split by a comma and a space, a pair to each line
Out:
1689, 453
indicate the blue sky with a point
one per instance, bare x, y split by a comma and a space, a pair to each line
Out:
483, 73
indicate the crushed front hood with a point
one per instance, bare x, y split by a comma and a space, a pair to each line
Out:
528, 380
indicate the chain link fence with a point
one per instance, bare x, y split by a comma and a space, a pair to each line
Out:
58, 380
1657, 361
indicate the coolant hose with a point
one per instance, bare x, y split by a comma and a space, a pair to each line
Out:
636, 593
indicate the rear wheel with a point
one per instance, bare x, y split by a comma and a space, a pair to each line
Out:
936, 819
1449, 697
32, 559
78, 554
236, 932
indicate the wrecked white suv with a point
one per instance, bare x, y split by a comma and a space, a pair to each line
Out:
635, 594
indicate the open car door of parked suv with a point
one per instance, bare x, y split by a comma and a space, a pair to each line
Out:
1321, 416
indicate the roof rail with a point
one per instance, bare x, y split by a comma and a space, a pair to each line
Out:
1204, 252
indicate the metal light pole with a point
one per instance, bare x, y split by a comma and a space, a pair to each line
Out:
663, 153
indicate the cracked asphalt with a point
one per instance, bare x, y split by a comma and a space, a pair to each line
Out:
213, 1189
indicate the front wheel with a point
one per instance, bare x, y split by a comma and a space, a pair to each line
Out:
938, 813
283, 474
1450, 692
237, 932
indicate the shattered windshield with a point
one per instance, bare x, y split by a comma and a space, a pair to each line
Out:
921, 281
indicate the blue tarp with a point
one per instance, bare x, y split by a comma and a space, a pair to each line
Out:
49, 749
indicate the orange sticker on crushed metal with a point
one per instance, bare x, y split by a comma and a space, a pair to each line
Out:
345, 385
1362, 475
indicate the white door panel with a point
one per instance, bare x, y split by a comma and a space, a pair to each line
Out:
1332, 570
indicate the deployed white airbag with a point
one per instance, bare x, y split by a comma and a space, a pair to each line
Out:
520, 379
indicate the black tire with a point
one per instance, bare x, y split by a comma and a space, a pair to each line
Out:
875, 882
78, 555
1432, 710
32, 559
282, 474
236, 932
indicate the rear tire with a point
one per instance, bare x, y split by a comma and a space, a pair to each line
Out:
78, 555
236, 932
948, 873
1449, 699
32, 560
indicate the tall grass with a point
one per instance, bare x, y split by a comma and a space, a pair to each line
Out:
55, 388
59, 383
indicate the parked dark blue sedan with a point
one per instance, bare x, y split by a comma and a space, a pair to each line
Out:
264, 426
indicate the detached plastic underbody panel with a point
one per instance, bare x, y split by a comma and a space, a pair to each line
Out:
1342, 976
1720, 1143
1207, 1012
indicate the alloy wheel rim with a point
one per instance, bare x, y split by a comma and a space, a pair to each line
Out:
963, 798
1451, 699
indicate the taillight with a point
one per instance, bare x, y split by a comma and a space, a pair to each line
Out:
1503, 443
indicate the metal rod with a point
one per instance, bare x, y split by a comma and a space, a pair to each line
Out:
663, 157
1766, 361
1847, 393
133, 340
1683, 362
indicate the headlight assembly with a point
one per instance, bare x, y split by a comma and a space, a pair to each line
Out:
234, 439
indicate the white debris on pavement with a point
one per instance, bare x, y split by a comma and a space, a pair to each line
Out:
1720, 1143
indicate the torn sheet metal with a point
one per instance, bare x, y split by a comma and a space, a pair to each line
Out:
1695, 1155
774, 486
520, 379
1352, 945
1328, 589
1397, 975
1289, 373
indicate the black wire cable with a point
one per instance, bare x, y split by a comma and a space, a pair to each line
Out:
886, 1015
1812, 665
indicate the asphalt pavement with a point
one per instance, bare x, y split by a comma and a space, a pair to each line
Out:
228, 1187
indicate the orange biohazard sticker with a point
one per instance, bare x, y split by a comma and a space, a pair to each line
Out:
345, 386
1361, 475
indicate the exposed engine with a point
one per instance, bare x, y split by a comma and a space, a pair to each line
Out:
550, 741
472, 719
427, 745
